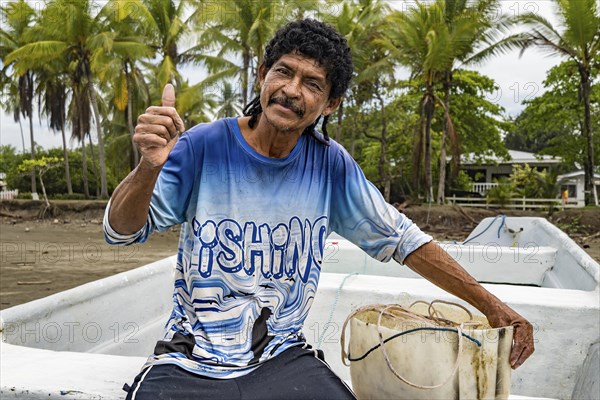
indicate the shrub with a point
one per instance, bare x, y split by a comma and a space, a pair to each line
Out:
502, 193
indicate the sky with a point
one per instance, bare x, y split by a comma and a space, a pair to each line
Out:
518, 79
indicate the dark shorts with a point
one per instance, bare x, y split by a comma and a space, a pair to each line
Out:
295, 374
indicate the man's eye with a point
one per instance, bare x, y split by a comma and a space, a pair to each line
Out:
283, 71
314, 85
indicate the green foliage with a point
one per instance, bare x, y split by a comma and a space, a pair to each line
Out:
66, 196
502, 193
551, 123
54, 179
477, 119
534, 184
525, 181
9, 158
463, 182
43, 164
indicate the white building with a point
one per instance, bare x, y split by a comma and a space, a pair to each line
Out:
574, 184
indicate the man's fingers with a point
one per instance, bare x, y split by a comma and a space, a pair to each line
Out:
523, 345
168, 96
168, 111
154, 123
150, 141
147, 130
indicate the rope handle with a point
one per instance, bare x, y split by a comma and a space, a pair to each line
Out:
398, 309
403, 379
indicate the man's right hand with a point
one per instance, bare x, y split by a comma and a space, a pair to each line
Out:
158, 129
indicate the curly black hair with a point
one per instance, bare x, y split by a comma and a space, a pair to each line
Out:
318, 41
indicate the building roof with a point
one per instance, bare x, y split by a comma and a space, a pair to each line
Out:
575, 174
515, 157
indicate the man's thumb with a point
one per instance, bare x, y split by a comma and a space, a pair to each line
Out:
168, 96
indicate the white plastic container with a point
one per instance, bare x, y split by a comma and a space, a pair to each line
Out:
425, 359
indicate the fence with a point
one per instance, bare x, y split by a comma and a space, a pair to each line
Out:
522, 203
482, 187
9, 194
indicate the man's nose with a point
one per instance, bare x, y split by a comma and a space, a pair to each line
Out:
292, 88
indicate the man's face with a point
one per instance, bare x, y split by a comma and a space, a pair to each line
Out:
294, 93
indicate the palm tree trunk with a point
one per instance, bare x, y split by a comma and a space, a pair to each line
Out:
587, 133
103, 185
245, 66
22, 135
33, 178
441, 192
94, 165
338, 128
136, 156
429, 109
417, 152
84, 170
66, 157
385, 176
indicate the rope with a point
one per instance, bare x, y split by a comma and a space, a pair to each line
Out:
397, 335
488, 227
396, 311
335, 302
403, 379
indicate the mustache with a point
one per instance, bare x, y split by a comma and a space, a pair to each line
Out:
287, 103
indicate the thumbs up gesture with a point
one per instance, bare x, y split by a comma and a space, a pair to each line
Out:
158, 129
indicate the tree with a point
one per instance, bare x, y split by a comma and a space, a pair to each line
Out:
53, 90
120, 68
42, 165
362, 23
552, 123
68, 30
163, 24
19, 15
240, 30
475, 28
431, 40
577, 38
421, 40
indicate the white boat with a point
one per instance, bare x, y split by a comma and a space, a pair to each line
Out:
85, 343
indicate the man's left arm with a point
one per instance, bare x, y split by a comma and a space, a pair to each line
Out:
438, 267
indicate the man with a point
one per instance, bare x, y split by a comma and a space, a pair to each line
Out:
257, 196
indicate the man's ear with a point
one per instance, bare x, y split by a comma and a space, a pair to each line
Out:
332, 105
262, 73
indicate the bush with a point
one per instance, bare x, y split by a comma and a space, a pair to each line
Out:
502, 193
533, 184
66, 196
24, 196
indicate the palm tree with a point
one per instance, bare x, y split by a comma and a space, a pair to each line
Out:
360, 22
18, 16
476, 30
120, 68
242, 32
432, 40
577, 38
10, 103
51, 40
82, 42
53, 89
163, 24
421, 40
229, 102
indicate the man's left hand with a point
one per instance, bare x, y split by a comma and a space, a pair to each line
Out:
523, 345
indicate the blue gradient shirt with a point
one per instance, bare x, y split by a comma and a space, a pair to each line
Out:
252, 242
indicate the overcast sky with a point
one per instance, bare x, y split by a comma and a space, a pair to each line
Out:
518, 79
